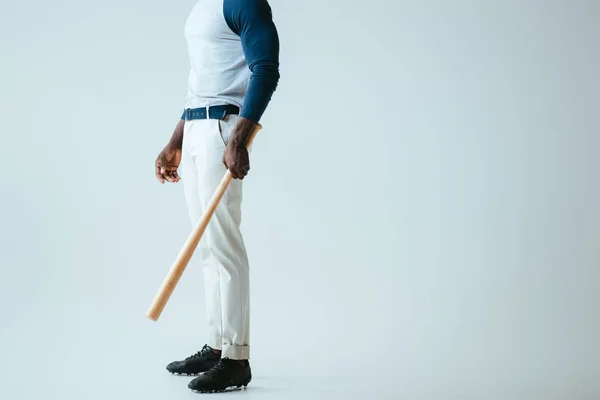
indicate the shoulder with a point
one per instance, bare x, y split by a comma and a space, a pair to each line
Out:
246, 7
246, 3
239, 13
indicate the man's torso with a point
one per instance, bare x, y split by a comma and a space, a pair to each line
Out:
219, 72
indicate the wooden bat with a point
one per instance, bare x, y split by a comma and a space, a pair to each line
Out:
182, 260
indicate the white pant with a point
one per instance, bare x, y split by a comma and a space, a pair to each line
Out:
221, 249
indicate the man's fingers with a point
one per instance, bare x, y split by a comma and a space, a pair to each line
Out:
245, 170
169, 175
240, 173
238, 169
163, 173
159, 171
236, 172
173, 174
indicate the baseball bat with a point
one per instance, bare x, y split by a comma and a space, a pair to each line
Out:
182, 260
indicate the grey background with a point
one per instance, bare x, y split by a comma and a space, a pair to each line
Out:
422, 212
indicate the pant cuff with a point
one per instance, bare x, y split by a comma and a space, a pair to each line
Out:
235, 352
215, 343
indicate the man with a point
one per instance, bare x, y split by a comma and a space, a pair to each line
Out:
234, 55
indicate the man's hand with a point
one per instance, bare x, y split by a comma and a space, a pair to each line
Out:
166, 164
236, 160
168, 160
236, 157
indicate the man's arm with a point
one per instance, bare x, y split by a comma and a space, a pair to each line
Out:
252, 20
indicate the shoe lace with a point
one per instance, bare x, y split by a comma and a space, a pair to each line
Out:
217, 369
205, 350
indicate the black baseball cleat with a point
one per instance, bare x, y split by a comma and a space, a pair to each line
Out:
195, 364
226, 374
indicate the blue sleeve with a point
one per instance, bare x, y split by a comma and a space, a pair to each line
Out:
252, 21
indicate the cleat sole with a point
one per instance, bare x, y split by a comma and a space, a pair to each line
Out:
227, 389
185, 373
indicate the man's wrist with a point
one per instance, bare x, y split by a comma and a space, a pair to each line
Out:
177, 137
242, 132
175, 144
176, 141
